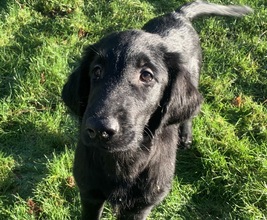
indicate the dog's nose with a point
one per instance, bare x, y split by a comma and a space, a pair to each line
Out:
103, 128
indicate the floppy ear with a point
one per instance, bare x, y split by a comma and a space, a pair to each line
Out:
183, 98
76, 90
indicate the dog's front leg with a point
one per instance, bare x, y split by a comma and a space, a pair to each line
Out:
135, 214
91, 207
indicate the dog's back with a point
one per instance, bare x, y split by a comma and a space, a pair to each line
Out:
177, 30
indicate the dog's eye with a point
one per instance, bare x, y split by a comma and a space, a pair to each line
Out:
97, 72
146, 76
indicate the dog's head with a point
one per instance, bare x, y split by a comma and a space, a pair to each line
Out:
128, 85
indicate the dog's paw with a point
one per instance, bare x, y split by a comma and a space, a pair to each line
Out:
185, 142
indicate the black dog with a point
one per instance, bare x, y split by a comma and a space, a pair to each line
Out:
133, 91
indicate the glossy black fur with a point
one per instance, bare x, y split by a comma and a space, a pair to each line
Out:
129, 129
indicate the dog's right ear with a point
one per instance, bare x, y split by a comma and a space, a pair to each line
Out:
76, 90
184, 98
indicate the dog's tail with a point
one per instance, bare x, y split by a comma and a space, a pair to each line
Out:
201, 8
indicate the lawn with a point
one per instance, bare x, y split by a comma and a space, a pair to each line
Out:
223, 175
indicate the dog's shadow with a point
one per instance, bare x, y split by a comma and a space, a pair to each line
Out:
194, 193
189, 167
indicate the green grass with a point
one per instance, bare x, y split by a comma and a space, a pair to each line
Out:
224, 174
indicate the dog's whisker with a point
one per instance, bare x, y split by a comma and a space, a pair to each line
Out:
145, 147
148, 132
99, 53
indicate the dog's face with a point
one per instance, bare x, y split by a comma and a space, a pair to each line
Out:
127, 86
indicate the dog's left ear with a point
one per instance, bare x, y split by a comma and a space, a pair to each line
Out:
182, 98
76, 90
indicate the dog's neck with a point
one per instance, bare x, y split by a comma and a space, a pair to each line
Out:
125, 165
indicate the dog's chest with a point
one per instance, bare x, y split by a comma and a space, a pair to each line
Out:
124, 185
